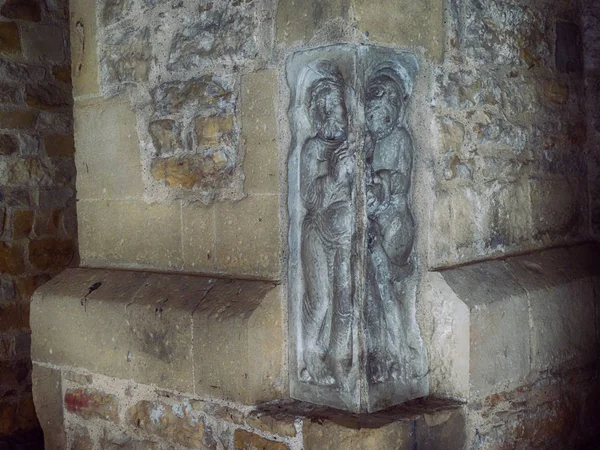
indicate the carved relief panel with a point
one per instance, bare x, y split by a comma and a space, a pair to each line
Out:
355, 340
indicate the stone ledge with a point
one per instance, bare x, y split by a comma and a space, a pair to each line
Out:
500, 324
186, 333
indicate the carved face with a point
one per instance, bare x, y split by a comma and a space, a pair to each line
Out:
383, 106
329, 111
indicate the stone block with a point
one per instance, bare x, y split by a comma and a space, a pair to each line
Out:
447, 338
28, 10
115, 10
62, 74
51, 254
59, 145
80, 438
237, 320
299, 21
11, 259
8, 145
18, 120
172, 423
44, 42
83, 48
166, 136
27, 285
160, 318
282, 426
214, 130
401, 22
126, 54
79, 305
199, 94
47, 96
10, 41
13, 316
198, 238
499, 325
244, 440
247, 239
89, 403
115, 234
22, 224
47, 396
207, 170
108, 155
259, 131
563, 325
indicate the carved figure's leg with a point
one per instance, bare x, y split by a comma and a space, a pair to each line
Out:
342, 317
315, 309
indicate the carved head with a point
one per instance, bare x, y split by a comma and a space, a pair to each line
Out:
327, 105
384, 106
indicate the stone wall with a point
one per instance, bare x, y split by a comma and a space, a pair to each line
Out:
37, 176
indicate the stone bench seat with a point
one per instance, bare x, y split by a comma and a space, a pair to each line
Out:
206, 336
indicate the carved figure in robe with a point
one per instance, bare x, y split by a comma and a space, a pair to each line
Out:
390, 234
327, 227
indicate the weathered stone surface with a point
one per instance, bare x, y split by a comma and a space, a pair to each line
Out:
173, 423
259, 131
298, 21
9, 38
104, 134
383, 24
89, 403
115, 234
244, 440
453, 134
17, 119
47, 96
126, 54
198, 230
197, 94
115, 10
235, 42
240, 319
59, 145
161, 330
51, 253
22, 224
11, 94
283, 426
44, 43
556, 92
166, 136
62, 74
8, 144
208, 170
11, 259
212, 131
26, 285
91, 301
80, 438
47, 395
22, 10
47, 222
83, 49
77, 377
251, 247
124, 442
7, 290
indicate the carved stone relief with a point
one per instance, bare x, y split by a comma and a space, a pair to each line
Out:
355, 340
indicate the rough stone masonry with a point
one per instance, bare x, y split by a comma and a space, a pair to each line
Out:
38, 225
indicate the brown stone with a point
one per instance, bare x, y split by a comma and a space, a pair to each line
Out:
11, 259
199, 94
8, 144
10, 94
62, 73
556, 92
59, 145
50, 254
244, 440
2, 217
26, 416
188, 172
89, 403
173, 423
13, 316
283, 426
166, 136
27, 285
47, 96
8, 417
22, 10
18, 120
47, 222
211, 131
9, 38
7, 347
22, 224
